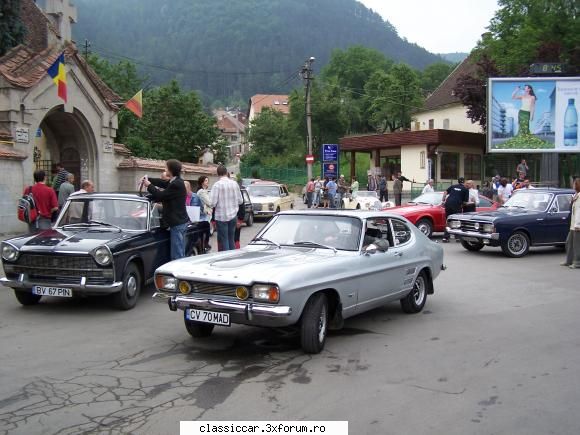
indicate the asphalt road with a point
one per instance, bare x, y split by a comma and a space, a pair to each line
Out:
496, 351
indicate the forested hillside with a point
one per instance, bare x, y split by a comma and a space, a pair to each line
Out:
233, 49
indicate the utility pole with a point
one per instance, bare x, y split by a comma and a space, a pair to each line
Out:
308, 75
86, 47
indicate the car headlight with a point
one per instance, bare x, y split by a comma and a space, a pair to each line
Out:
165, 282
454, 224
271, 206
103, 256
488, 228
9, 252
266, 293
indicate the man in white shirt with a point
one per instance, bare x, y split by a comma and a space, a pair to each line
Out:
226, 198
504, 192
428, 187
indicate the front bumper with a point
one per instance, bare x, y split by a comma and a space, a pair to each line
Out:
483, 236
81, 288
245, 312
264, 213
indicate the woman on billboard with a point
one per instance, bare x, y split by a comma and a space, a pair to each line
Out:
526, 113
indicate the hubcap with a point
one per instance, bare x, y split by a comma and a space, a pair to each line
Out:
131, 286
419, 290
517, 244
424, 229
322, 324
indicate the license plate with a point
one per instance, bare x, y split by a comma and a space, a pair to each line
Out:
59, 292
470, 239
208, 317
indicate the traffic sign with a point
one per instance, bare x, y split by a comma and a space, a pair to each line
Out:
329, 152
309, 158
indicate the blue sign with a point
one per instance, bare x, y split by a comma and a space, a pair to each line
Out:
330, 170
330, 153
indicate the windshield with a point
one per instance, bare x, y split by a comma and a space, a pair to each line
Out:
433, 198
124, 214
528, 200
254, 190
338, 232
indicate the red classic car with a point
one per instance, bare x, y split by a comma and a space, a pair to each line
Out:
428, 214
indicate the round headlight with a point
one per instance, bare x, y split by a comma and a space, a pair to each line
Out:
9, 252
103, 256
242, 293
488, 228
454, 224
184, 287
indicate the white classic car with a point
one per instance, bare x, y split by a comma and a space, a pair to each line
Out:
363, 200
306, 269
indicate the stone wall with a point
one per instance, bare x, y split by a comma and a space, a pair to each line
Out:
11, 187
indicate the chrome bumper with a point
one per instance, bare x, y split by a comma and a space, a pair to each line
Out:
23, 283
458, 232
264, 213
248, 309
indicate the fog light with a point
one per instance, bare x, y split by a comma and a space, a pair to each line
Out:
184, 287
242, 293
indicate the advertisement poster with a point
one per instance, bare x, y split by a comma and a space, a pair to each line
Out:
533, 115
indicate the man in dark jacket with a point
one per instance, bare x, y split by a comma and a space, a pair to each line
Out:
454, 198
171, 192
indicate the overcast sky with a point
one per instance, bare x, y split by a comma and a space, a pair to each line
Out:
442, 26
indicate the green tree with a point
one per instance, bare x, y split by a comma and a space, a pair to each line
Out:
12, 30
434, 74
174, 125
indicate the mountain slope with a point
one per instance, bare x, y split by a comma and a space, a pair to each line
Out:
236, 48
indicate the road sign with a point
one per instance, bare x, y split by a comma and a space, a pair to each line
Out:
330, 170
309, 158
330, 152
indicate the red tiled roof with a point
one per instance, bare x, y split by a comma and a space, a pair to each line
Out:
159, 165
276, 102
121, 149
405, 138
9, 153
444, 94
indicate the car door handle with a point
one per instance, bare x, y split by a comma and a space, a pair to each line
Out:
398, 254
540, 219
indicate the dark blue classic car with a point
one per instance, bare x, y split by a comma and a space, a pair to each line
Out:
101, 244
531, 217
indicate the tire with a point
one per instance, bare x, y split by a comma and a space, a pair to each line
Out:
277, 209
127, 298
416, 299
472, 246
250, 220
26, 298
425, 226
314, 324
516, 245
197, 329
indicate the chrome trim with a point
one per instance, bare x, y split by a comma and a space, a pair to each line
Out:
489, 236
139, 247
104, 289
246, 308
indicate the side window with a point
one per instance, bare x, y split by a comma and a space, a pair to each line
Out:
246, 197
377, 228
401, 232
155, 216
564, 202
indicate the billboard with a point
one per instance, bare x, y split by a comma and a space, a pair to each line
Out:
528, 115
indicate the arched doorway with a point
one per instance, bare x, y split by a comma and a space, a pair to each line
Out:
69, 139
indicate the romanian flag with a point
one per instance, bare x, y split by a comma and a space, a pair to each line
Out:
135, 104
58, 74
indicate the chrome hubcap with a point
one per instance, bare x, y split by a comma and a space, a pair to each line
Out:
322, 324
424, 229
419, 290
517, 244
131, 286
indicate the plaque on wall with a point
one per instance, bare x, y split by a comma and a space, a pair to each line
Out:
22, 135
107, 146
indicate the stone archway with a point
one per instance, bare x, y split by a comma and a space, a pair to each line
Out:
69, 139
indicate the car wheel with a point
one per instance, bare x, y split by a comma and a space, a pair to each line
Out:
197, 329
517, 245
250, 220
277, 209
472, 246
415, 300
129, 294
26, 297
314, 324
425, 226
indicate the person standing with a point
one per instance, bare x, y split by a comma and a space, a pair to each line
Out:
61, 175
44, 200
66, 189
473, 201
397, 190
383, 189
310, 192
203, 193
226, 198
317, 191
526, 112
454, 198
504, 192
487, 191
573, 240
522, 168
519, 181
331, 188
171, 193
341, 190
354, 188
372, 184
428, 187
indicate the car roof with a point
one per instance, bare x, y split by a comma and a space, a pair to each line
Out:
547, 190
109, 195
361, 214
264, 183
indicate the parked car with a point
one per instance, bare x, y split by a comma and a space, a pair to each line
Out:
531, 217
428, 213
364, 200
245, 182
309, 269
269, 198
100, 244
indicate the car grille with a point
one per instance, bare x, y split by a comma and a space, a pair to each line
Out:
471, 226
62, 269
257, 207
213, 289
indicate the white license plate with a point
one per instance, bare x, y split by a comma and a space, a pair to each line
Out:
208, 317
52, 291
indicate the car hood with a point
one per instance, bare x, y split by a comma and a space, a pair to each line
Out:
264, 199
254, 263
492, 215
81, 241
407, 209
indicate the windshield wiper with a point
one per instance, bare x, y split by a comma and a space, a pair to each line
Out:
264, 239
314, 244
104, 224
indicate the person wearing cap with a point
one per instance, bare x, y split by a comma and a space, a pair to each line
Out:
341, 190
454, 198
